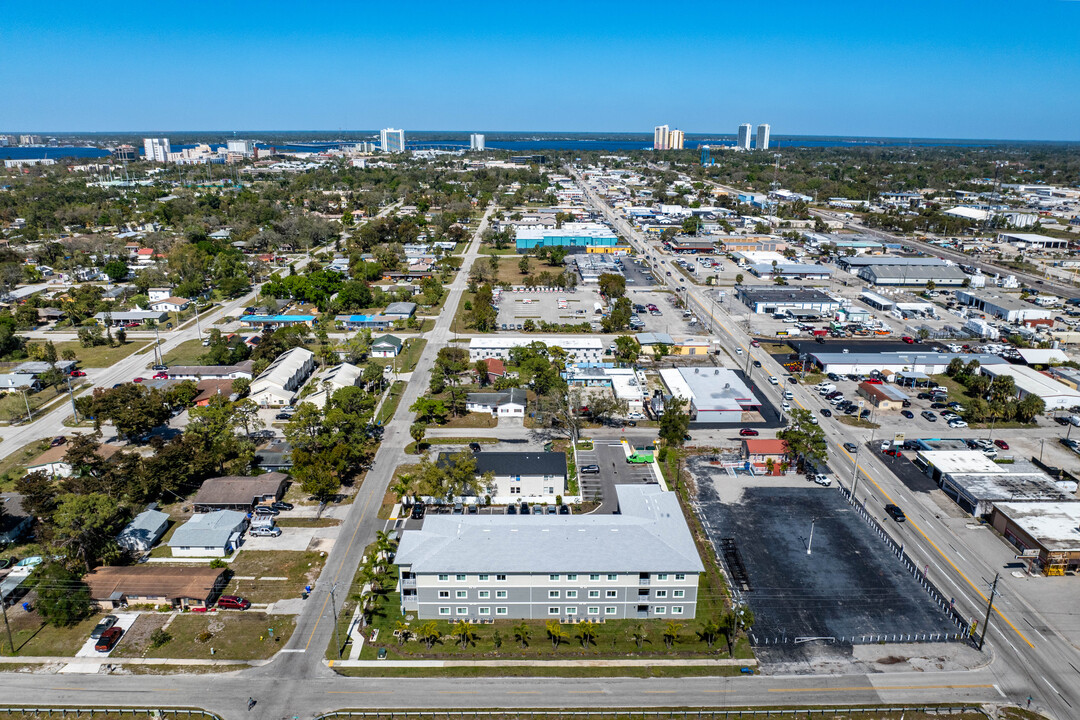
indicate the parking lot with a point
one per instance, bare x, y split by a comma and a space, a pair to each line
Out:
849, 585
614, 470
544, 305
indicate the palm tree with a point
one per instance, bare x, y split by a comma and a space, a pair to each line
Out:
639, 635
710, 629
671, 632
400, 487
429, 633
555, 633
521, 634
586, 633
466, 632
403, 632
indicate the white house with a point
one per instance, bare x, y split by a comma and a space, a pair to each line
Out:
212, 534
52, 463
578, 349
509, 403
386, 346
533, 476
170, 304
331, 380
278, 384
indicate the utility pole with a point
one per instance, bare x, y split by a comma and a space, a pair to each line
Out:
10, 641
157, 343
198, 327
27, 401
71, 395
810, 542
333, 606
989, 607
855, 474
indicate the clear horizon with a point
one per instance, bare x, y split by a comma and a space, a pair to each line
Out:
961, 70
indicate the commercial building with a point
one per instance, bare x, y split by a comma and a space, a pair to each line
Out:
715, 395
591, 266
780, 299
156, 149
529, 476
183, 588
578, 349
1029, 381
241, 147
476, 142
640, 563
278, 384
896, 271
745, 133
660, 137
762, 140
757, 452
929, 363
684, 245
239, 492
882, 396
791, 270
624, 382
1050, 531
570, 235
977, 483
143, 532
1007, 307
212, 534
1044, 242
392, 141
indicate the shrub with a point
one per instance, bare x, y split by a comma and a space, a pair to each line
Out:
204, 636
218, 564
159, 637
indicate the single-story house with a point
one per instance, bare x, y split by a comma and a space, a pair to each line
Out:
212, 534
360, 322
181, 587
211, 388
496, 369
386, 346
239, 492
274, 457
144, 531
399, 310
52, 463
130, 316
38, 367
50, 314
519, 475
508, 403
17, 382
170, 304
14, 520
275, 321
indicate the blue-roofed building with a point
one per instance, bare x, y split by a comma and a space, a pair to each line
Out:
359, 322
274, 321
570, 235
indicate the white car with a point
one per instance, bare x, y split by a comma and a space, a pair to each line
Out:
813, 420
738, 351
823, 480
773, 380
635, 416
957, 424
885, 445
786, 406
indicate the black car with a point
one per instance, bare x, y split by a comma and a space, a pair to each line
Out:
511, 509
793, 380
474, 446
757, 363
418, 511
895, 513
524, 508
834, 377
279, 506
907, 413
160, 368
283, 416
923, 396
826, 412
865, 413
564, 509
938, 406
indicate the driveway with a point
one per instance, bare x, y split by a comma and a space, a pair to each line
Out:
124, 621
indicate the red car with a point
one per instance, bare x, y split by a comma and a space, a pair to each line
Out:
161, 376
131, 325
908, 339
1002, 444
108, 639
748, 432
755, 343
233, 602
137, 380
873, 381
77, 373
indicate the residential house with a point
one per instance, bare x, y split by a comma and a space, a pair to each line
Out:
272, 322
239, 492
496, 369
16, 382
130, 316
639, 563
332, 379
399, 310
183, 588
52, 463
212, 534
211, 388
275, 456
143, 532
385, 346
170, 304
14, 520
758, 452
201, 373
507, 403
278, 385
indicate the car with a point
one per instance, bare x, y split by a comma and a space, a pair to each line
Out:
908, 339
873, 381
283, 416
923, 396
834, 377
786, 406
851, 447
511, 509
106, 622
793, 380
266, 510
907, 413
418, 511
474, 446
160, 367
551, 510
757, 363
564, 509
748, 432
885, 445
738, 351
279, 505
1002, 444
819, 339
76, 373
265, 532
826, 412
895, 513
523, 509
233, 602
773, 380
929, 415
755, 343
957, 424
938, 406
58, 441
161, 376
823, 480
137, 380
864, 414
636, 416
108, 639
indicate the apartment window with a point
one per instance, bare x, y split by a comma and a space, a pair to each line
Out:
572, 577
500, 593
461, 594
485, 611
571, 611
550, 490
680, 576
570, 594
678, 593
612, 593
553, 594
444, 611
594, 610
612, 577
443, 578
444, 594
553, 578
676, 609
661, 593
594, 576
484, 594
483, 578
594, 593
500, 578
609, 610
515, 490
500, 611
463, 611
661, 576
460, 578
660, 610
553, 611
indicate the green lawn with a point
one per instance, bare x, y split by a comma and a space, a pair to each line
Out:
102, 355
13, 466
389, 406
188, 352
410, 354
33, 637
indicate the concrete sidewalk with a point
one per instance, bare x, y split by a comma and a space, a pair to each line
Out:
599, 662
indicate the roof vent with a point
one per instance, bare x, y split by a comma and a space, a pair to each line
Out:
716, 371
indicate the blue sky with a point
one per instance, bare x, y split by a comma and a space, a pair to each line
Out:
960, 69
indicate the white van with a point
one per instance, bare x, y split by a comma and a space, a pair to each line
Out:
826, 388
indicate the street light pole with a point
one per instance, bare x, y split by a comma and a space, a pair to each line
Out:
27, 401
855, 475
989, 607
71, 395
333, 606
810, 542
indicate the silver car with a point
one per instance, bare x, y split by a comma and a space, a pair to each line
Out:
106, 622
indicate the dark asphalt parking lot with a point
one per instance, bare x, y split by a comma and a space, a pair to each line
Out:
859, 345
850, 585
636, 275
614, 470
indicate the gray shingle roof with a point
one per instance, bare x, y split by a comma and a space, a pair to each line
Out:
650, 535
516, 463
211, 529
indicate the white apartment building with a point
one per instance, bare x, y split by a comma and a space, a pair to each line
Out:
579, 349
640, 563
278, 384
762, 142
745, 131
391, 140
156, 149
660, 137
476, 141
241, 147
